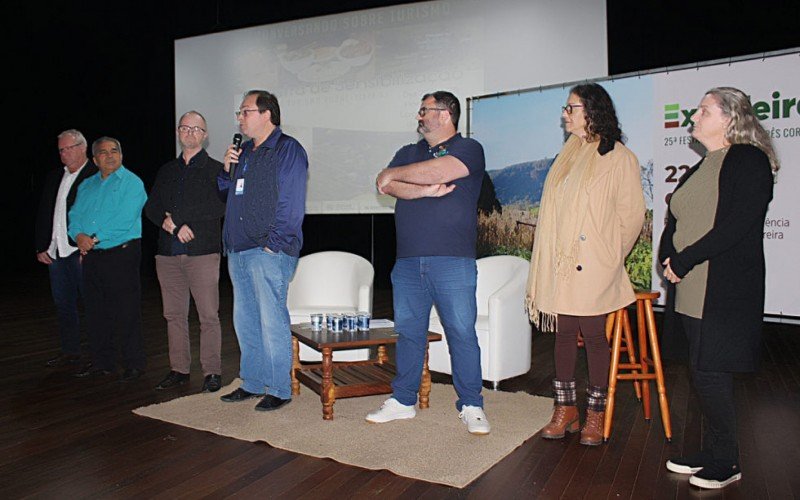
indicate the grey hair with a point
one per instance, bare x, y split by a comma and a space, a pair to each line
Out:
744, 127
97, 142
75, 134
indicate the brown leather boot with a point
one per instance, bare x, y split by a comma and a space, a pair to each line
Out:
565, 419
592, 432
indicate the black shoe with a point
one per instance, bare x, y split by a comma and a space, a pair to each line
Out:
91, 371
689, 464
716, 475
172, 379
212, 383
239, 395
131, 374
271, 402
62, 360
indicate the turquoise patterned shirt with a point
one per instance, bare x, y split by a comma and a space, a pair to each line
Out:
110, 209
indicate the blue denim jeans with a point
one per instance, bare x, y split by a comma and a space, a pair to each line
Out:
449, 283
261, 319
66, 284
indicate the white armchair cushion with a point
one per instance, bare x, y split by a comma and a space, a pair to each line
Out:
330, 282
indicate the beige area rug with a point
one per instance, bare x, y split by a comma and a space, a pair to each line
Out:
434, 446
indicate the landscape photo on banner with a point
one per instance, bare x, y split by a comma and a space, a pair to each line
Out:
522, 133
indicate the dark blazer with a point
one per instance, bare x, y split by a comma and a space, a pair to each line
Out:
196, 205
733, 310
47, 204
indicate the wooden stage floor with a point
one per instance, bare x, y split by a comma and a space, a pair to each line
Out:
63, 437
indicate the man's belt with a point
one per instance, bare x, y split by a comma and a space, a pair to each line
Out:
118, 247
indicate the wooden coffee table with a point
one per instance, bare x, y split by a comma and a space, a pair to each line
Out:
349, 379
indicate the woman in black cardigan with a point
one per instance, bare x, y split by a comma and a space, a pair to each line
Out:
713, 256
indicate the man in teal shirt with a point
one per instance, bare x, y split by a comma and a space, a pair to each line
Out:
106, 224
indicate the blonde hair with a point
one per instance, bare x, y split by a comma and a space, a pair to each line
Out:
744, 127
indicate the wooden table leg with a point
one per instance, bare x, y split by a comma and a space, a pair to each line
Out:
382, 357
425, 385
328, 394
295, 366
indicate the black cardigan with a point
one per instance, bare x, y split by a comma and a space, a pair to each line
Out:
199, 207
733, 310
47, 203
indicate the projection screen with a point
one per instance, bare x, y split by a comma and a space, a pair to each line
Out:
349, 84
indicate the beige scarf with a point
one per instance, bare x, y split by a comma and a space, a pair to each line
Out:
562, 212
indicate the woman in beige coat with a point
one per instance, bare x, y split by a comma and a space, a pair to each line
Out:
591, 214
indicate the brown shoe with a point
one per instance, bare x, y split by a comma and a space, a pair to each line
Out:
592, 432
565, 419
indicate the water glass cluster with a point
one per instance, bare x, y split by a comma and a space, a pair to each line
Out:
340, 322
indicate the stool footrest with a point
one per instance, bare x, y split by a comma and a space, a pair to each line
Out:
636, 376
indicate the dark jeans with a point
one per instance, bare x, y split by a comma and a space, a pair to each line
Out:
113, 297
66, 285
715, 390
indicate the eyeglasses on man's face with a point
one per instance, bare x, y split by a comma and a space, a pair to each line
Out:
186, 129
68, 148
424, 110
569, 108
245, 112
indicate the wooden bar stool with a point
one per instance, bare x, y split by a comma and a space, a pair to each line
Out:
638, 369
627, 346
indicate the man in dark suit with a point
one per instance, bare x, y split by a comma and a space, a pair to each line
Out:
53, 247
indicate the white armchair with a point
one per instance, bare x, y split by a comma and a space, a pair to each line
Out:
504, 332
330, 282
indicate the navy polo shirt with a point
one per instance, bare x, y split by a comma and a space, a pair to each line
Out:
445, 226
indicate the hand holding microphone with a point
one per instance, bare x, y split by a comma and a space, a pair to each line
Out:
232, 154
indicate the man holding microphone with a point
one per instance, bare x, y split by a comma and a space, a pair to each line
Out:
264, 185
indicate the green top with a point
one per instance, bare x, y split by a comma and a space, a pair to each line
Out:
694, 206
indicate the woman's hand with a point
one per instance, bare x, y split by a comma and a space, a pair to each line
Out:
669, 274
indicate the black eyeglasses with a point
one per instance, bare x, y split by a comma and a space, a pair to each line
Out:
569, 108
187, 129
424, 110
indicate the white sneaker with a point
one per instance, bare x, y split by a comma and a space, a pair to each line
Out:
391, 410
475, 419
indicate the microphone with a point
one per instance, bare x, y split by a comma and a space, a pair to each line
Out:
237, 143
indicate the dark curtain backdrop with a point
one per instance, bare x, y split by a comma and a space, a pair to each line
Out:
106, 68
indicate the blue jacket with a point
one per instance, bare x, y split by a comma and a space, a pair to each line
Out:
271, 209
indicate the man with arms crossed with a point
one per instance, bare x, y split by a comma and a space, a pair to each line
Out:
53, 247
185, 205
437, 182
264, 183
